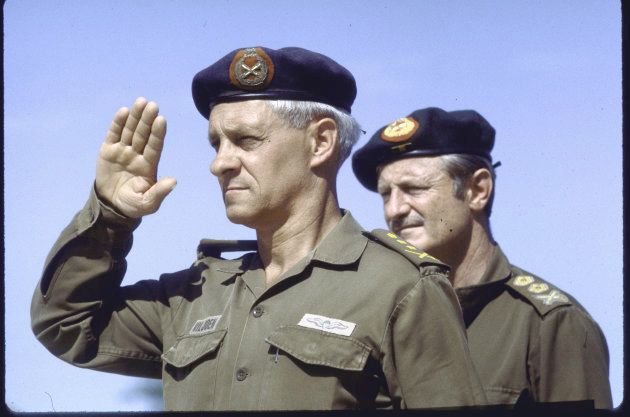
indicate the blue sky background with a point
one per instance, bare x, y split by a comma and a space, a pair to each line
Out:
546, 74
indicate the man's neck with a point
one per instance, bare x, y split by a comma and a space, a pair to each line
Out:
283, 247
472, 266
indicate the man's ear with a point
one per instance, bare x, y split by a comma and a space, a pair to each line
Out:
479, 189
324, 138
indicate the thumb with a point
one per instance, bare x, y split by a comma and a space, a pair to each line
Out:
153, 197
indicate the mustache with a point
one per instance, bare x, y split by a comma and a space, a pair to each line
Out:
407, 221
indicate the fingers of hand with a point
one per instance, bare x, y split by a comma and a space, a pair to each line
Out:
116, 128
144, 127
155, 144
135, 114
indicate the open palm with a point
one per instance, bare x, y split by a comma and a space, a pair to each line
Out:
126, 171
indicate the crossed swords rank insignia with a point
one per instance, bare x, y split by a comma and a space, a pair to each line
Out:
554, 296
251, 69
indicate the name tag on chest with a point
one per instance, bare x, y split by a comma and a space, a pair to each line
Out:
205, 325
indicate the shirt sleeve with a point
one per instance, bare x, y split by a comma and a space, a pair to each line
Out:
427, 363
79, 311
573, 359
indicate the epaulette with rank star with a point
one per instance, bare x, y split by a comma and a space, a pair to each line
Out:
543, 296
214, 248
395, 242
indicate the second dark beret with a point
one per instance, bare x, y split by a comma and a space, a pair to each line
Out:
429, 131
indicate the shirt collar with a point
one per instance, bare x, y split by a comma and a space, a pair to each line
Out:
475, 297
343, 245
234, 266
498, 269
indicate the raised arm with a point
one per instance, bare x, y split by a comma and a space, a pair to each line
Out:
79, 310
126, 171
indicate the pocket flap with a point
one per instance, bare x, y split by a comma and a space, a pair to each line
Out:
316, 347
192, 348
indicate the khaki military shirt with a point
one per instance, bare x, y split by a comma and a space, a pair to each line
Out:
525, 334
352, 325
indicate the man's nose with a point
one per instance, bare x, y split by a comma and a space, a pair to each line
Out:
225, 159
397, 205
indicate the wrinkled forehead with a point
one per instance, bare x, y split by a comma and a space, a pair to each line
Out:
413, 165
424, 168
240, 115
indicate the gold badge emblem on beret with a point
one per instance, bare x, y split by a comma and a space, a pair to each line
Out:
251, 69
400, 130
523, 280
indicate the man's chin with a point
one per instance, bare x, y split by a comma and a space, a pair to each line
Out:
237, 216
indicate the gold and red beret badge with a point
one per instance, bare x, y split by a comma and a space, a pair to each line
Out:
400, 130
251, 69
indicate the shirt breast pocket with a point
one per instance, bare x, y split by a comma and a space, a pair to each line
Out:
316, 347
322, 369
190, 369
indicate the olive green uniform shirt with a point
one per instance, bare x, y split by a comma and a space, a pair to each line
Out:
525, 334
354, 324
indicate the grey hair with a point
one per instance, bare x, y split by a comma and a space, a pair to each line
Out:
298, 114
460, 167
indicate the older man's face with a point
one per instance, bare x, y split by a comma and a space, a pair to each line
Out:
420, 206
261, 164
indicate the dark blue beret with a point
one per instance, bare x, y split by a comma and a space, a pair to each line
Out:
425, 132
283, 74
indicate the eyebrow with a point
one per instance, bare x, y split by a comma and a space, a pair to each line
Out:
414, 179
406, 181
237, 130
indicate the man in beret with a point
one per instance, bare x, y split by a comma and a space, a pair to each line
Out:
530, 341
305, 320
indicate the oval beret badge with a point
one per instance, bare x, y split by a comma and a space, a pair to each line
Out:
251, 69
400, 130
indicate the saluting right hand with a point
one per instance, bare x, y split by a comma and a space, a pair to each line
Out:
126, 172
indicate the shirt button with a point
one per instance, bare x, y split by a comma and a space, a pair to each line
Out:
258, 311
241, 374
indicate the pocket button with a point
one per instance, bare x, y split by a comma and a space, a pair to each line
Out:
241, 374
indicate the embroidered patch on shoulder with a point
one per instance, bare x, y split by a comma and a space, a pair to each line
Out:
538, 287
206, 325
410, 248
523, 280
336, 326
554, 296
543, 296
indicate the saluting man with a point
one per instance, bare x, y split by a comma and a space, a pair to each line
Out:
528, 339
320, 315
